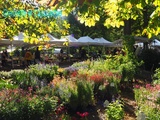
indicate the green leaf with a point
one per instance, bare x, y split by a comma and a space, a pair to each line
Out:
84, 8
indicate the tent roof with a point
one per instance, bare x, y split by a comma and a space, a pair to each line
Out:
17, 41
102, 41
86, 40
155, 43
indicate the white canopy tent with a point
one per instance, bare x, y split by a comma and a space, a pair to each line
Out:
155, 43
18, 41
104, 42
139, 44
86, 40
60, 42
118, 43
57, 42
50, 37
72, 40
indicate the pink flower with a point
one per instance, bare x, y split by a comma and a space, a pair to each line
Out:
137, 86
30, 89
148, 86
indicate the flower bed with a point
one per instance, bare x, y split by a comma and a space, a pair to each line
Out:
148, 101
70, 93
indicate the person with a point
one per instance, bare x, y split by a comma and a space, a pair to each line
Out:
23, 52
83, 54
6, 53
61, 55
99, 53
23, 57
37, 56
4, 57
17, 53
28, 57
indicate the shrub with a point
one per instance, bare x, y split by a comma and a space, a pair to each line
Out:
156, 76
85, 93
22, 105
41, 71
25, 79
147, 99
5, 75
74, 93
18, 76
114, 111
36, 76
7, 84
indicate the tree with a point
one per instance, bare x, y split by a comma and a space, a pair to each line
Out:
17, 16
99, 30
115, 13
118, 13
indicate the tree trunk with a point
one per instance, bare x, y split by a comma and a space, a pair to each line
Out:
127, 27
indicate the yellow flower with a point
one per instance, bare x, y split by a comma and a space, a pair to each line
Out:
60, 69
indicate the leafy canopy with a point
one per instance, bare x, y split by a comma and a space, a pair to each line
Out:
17, 16
89, 13
117, 11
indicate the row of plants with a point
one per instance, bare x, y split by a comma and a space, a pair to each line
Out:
71, 89
82, 85
148, 99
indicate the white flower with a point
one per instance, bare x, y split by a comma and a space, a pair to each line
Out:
112, 84
141, 116
106, 103
158, 94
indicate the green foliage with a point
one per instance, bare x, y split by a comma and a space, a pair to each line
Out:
75, 94
30, 22
41, 71
123, 64
18, 76
114, 13
5, 75
24, 79
85, 93
156, 76
19, 104
147, 99
114, 111
35, 76
7, 84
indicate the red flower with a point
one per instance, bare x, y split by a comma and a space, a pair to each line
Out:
74, 74
97, 77
60, 109
83, 114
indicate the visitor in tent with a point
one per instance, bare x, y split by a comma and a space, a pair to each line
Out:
83, 54
17, 53
37, 55
6, 53
4, 58
23, 56
28, 57
99, 53
60, 56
